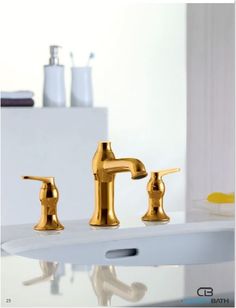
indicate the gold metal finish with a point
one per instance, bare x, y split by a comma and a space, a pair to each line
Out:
156, 191
48, 196
106, 284
105, 166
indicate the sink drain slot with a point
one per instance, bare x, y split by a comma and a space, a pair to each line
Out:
121, 253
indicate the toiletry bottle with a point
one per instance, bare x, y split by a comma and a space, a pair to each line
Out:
81, 86
54, 82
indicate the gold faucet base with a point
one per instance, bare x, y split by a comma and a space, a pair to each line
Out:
49, 228
104, 220
52, 223
108, 224
48, 222
156, 216
104, 216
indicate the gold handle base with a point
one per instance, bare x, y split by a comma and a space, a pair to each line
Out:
156, 214
48, 228
51, 223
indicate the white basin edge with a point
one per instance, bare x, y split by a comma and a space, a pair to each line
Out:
22, 238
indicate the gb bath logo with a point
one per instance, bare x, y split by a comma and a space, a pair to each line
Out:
205, 291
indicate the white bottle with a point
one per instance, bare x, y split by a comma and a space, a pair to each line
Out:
81, 87
54, 81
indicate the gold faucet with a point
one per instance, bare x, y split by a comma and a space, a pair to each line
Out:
105, 167
48, 196
156, 191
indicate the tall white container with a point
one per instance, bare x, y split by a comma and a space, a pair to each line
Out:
54, 81
81, 86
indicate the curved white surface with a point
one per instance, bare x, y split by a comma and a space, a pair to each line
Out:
182, 241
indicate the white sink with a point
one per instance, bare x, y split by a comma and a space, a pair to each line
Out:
196, 240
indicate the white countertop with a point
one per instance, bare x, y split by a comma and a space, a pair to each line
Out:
81, 243
29, 282
18, 238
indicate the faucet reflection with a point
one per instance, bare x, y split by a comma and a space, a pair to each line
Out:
50, 271
55, 282
106, 284
105, 167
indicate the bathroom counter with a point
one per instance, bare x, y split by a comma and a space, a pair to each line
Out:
80, 242
38, 281
130, 227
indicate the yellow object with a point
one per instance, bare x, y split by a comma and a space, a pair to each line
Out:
156, 191
218, 197
105, 166
48, 196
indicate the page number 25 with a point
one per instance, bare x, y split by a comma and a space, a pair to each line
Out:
8, 300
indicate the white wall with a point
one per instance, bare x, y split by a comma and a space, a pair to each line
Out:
139, 74
211, 99
39, 141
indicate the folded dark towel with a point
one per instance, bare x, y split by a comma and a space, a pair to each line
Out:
23, 102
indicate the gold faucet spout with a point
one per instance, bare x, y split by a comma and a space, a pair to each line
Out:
105, 167
133, 165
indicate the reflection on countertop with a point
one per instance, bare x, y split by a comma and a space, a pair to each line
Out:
51, 271
103, 279
106, 284
28, 283
48, 270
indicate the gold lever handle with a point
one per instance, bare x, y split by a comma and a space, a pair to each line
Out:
161, 173
46, 180
156, 191
48, 196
